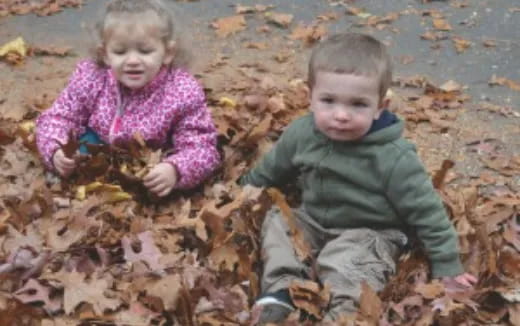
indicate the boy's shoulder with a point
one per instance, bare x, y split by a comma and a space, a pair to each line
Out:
302, 126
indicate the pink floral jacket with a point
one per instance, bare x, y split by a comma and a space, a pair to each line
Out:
169, 111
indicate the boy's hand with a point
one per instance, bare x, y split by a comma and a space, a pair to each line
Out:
161, 179
459, 282
64, 165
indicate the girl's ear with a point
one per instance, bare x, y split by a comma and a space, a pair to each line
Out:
170, 53
101, 53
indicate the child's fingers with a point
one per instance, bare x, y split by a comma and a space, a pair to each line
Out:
152, 181
151, 176
472, 279
158, 189
165, 192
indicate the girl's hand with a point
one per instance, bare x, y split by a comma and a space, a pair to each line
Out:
64, 165
460, 282
161, 179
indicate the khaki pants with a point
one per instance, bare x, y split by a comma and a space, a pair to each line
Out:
344, 258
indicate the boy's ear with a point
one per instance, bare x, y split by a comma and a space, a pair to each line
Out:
383, 105
170, 53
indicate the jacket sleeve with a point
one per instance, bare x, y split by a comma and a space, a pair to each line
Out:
194, 139
412, 194
68, 114
276, 167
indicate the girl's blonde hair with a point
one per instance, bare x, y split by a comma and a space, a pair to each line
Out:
165, 23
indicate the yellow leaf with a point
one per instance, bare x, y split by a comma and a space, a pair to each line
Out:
111, 188
27, 126
93, 186
118, 196
17, 45
227, 102
81, 193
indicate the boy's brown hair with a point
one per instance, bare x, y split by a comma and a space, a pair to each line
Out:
352, 53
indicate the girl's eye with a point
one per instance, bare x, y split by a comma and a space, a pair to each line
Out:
119, 52
328, 100
146, 51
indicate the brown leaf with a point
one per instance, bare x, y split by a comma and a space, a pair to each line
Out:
229, 25
441, 24
431, 290
260, 130
77, 290
149, 252
370, 306
438, 179
279, 19
167, 289
461, 44
310, 297
308, 34
514, 313
33, 291
489, 43
502, 81
224, 258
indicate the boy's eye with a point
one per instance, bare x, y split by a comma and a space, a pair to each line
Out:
360, 104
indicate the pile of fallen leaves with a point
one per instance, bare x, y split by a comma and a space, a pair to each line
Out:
39, 7
98, 249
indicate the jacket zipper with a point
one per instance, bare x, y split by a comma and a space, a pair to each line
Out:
325, 214
116, 123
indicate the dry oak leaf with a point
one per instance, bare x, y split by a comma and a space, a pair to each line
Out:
308, 34
77, 290
149, 253
309, 296
229, 25
431, 290
279, 19
167, 289
370, 306
460, 44
504, 82
441, 24
33, 291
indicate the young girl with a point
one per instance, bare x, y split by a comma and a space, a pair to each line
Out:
134, 85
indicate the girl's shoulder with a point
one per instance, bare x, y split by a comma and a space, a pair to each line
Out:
184, 85
89, 70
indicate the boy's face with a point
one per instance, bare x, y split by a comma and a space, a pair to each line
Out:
345, 105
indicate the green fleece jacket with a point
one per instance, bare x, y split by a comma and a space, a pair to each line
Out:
376, 182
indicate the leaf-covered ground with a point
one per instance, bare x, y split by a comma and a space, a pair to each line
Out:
98, 250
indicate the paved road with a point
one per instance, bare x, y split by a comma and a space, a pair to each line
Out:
480, 20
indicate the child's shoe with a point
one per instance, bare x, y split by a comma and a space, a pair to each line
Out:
276, 307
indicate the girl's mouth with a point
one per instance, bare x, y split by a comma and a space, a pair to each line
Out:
134, 74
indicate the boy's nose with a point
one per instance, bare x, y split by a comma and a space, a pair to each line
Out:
341, 114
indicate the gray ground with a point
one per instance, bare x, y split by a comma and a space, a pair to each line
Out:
480, 20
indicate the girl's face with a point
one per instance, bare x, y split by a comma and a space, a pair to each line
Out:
134, 48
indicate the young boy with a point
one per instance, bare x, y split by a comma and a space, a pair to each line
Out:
362, 183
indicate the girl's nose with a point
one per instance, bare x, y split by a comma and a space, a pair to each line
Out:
132, 59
